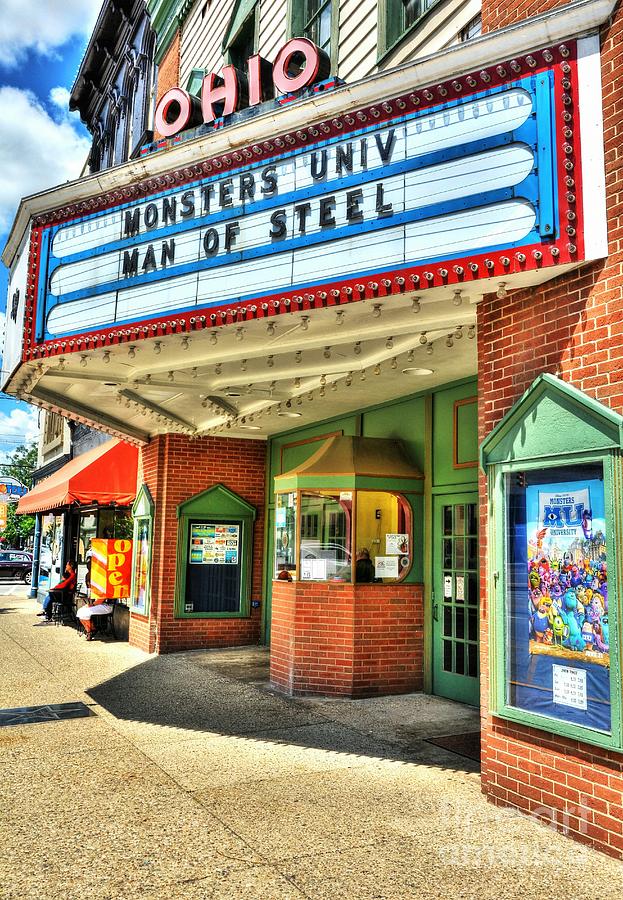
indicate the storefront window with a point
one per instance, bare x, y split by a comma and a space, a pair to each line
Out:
333, 547
285, 536
557, 634
87, 531
51, 551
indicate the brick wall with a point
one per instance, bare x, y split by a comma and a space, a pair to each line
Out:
346, 640
168, 71
175, 469
572, 327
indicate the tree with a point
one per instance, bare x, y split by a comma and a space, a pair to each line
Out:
20, 464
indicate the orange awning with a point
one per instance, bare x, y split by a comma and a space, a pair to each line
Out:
104, 475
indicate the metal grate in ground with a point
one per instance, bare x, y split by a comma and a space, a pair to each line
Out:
51, 712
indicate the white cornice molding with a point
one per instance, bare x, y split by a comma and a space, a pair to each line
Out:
564, 23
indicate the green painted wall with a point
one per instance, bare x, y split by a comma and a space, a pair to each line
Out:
405, 420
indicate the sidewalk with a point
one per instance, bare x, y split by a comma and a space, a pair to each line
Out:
193, 780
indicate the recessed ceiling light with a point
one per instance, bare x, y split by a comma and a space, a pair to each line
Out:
414, 370
287, 414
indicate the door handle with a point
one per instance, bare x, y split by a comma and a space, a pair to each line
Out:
436, 612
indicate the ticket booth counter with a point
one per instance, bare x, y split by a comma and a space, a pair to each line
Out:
347, 592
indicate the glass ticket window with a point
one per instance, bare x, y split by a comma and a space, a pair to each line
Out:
351, 536
285, 536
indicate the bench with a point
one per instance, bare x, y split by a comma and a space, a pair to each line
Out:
63, 607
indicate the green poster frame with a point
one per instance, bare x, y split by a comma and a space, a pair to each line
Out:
218, 504
552, 425
142, 510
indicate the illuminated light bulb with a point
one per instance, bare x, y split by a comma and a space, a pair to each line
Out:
204, 402
147, 379
214, 338
501, 292
377, 369
394, 363
389, 343
171, 375
457, 299
322, 391
471, 332
158, 347
310, 396
218, 369
304, 323
376, 311
299, 401
411, 356
131, 352
362, 376
327, 352
339, 317
270, 329
357, 348
458, 332
84, 360
185, 342
270, 361
297, 383
449, 341
429, 349
349, 379
334, 386
298, 357
423, 338
323, 379
416, 306
239, 334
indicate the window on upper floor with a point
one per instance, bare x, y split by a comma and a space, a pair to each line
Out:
241, 35
397, 16
473, 29
318, 21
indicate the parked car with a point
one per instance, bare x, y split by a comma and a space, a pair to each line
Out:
16, 564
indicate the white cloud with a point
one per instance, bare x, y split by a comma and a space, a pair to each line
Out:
22, 424
42, 27
59, 96
36, 152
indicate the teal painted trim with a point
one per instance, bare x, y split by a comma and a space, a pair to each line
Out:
596, 427
144, 504
240, 13
428, 545
337, 420
496, 584
167, 17
348, 483
217, 500
296, 24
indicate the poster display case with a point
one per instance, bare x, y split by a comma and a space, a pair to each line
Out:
553, 561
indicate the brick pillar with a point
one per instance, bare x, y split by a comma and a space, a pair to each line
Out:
175, 469
347, 640
572, 327
168, 71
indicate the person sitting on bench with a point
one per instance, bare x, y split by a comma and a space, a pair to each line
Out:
92, 607
66, 588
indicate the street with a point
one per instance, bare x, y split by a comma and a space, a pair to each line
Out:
189, 778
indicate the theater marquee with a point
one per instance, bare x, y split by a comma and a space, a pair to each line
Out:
475, 178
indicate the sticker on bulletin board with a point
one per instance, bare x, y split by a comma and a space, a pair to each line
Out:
569, 686
396, 543
386, 567
189, 607
214, 545
447, 586
459, 593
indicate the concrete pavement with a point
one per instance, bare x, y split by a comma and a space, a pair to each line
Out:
193, 780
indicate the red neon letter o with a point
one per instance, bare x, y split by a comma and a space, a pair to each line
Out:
184, 117
317, 65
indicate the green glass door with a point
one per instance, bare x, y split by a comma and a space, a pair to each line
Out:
456, 612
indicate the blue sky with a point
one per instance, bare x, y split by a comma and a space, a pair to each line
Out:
41, 144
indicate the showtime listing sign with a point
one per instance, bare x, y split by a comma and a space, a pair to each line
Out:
474, 177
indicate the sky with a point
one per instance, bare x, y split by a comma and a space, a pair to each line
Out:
41, 143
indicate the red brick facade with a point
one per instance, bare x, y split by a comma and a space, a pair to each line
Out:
572, 327
168, 71
175, 469
347, 640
